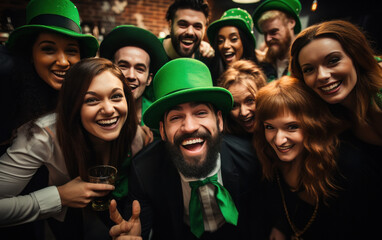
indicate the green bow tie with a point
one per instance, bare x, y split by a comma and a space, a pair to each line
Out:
223, 199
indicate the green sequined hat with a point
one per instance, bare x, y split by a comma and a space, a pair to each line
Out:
236, 17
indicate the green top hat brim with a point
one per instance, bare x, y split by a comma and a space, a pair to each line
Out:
221, 98
88, 43
129, 35
276, 5
213, 29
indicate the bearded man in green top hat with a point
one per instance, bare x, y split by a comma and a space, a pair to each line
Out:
194, 183
279, 21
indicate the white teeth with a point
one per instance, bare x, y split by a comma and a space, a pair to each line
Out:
133, 87
60, 73
285, 147
248, 119
187, 41
192, 141
229, 54
107, 121
331, 87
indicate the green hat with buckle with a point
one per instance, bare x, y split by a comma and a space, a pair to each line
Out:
58, 16
184, 80
236, 17
129, 35
290, 7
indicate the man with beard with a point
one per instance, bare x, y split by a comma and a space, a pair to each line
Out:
195, 183
188, 22
279, 21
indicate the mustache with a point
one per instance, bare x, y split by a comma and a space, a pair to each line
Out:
179, 139
188, 37
273, 41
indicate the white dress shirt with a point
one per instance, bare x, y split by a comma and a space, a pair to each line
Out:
20, 163
212, 216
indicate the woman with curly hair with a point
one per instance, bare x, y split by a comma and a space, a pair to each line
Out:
315, 181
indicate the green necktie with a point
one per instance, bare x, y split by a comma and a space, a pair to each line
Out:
223, 199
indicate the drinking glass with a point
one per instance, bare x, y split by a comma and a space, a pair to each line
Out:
102, 174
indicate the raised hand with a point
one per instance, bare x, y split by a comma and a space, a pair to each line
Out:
78, 194
206, 50
125, 230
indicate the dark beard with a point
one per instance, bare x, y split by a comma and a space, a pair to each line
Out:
272, 55
176, 44
196, 169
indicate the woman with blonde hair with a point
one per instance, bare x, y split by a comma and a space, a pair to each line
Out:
243, 79
316, 187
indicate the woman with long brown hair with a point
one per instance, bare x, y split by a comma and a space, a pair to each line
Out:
95, 124
336, 61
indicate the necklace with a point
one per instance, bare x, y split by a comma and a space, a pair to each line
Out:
296, 231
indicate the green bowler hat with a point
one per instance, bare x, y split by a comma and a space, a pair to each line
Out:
184, 80
129, 35
236, 17
59, 16
290, 7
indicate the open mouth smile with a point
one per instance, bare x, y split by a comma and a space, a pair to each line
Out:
330, 88
229, 55
108, 122
193, 144
133, 86
60, 74
284, 149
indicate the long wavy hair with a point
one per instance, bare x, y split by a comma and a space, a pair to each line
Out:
319, 127
357, 47
248, 74
72, 136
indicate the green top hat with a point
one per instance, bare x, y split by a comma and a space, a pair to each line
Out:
184, 80
60, 16
290, 7
129, 35
236, 17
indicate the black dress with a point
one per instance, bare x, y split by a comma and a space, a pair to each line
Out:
351, 215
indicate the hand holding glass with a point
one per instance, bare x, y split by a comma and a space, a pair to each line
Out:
102, 174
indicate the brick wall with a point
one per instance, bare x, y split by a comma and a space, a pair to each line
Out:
106, 14
100, 16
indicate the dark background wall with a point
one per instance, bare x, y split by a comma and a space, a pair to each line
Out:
365, 13
100, 16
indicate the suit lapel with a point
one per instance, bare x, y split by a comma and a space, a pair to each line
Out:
174, 197
229, 172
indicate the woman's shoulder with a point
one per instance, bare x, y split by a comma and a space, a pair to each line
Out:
47, 120
42, 126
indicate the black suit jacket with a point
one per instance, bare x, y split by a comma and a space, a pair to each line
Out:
155, 183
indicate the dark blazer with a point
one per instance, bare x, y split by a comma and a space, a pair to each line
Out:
155, 183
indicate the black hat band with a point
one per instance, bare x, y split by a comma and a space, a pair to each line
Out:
56, 21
